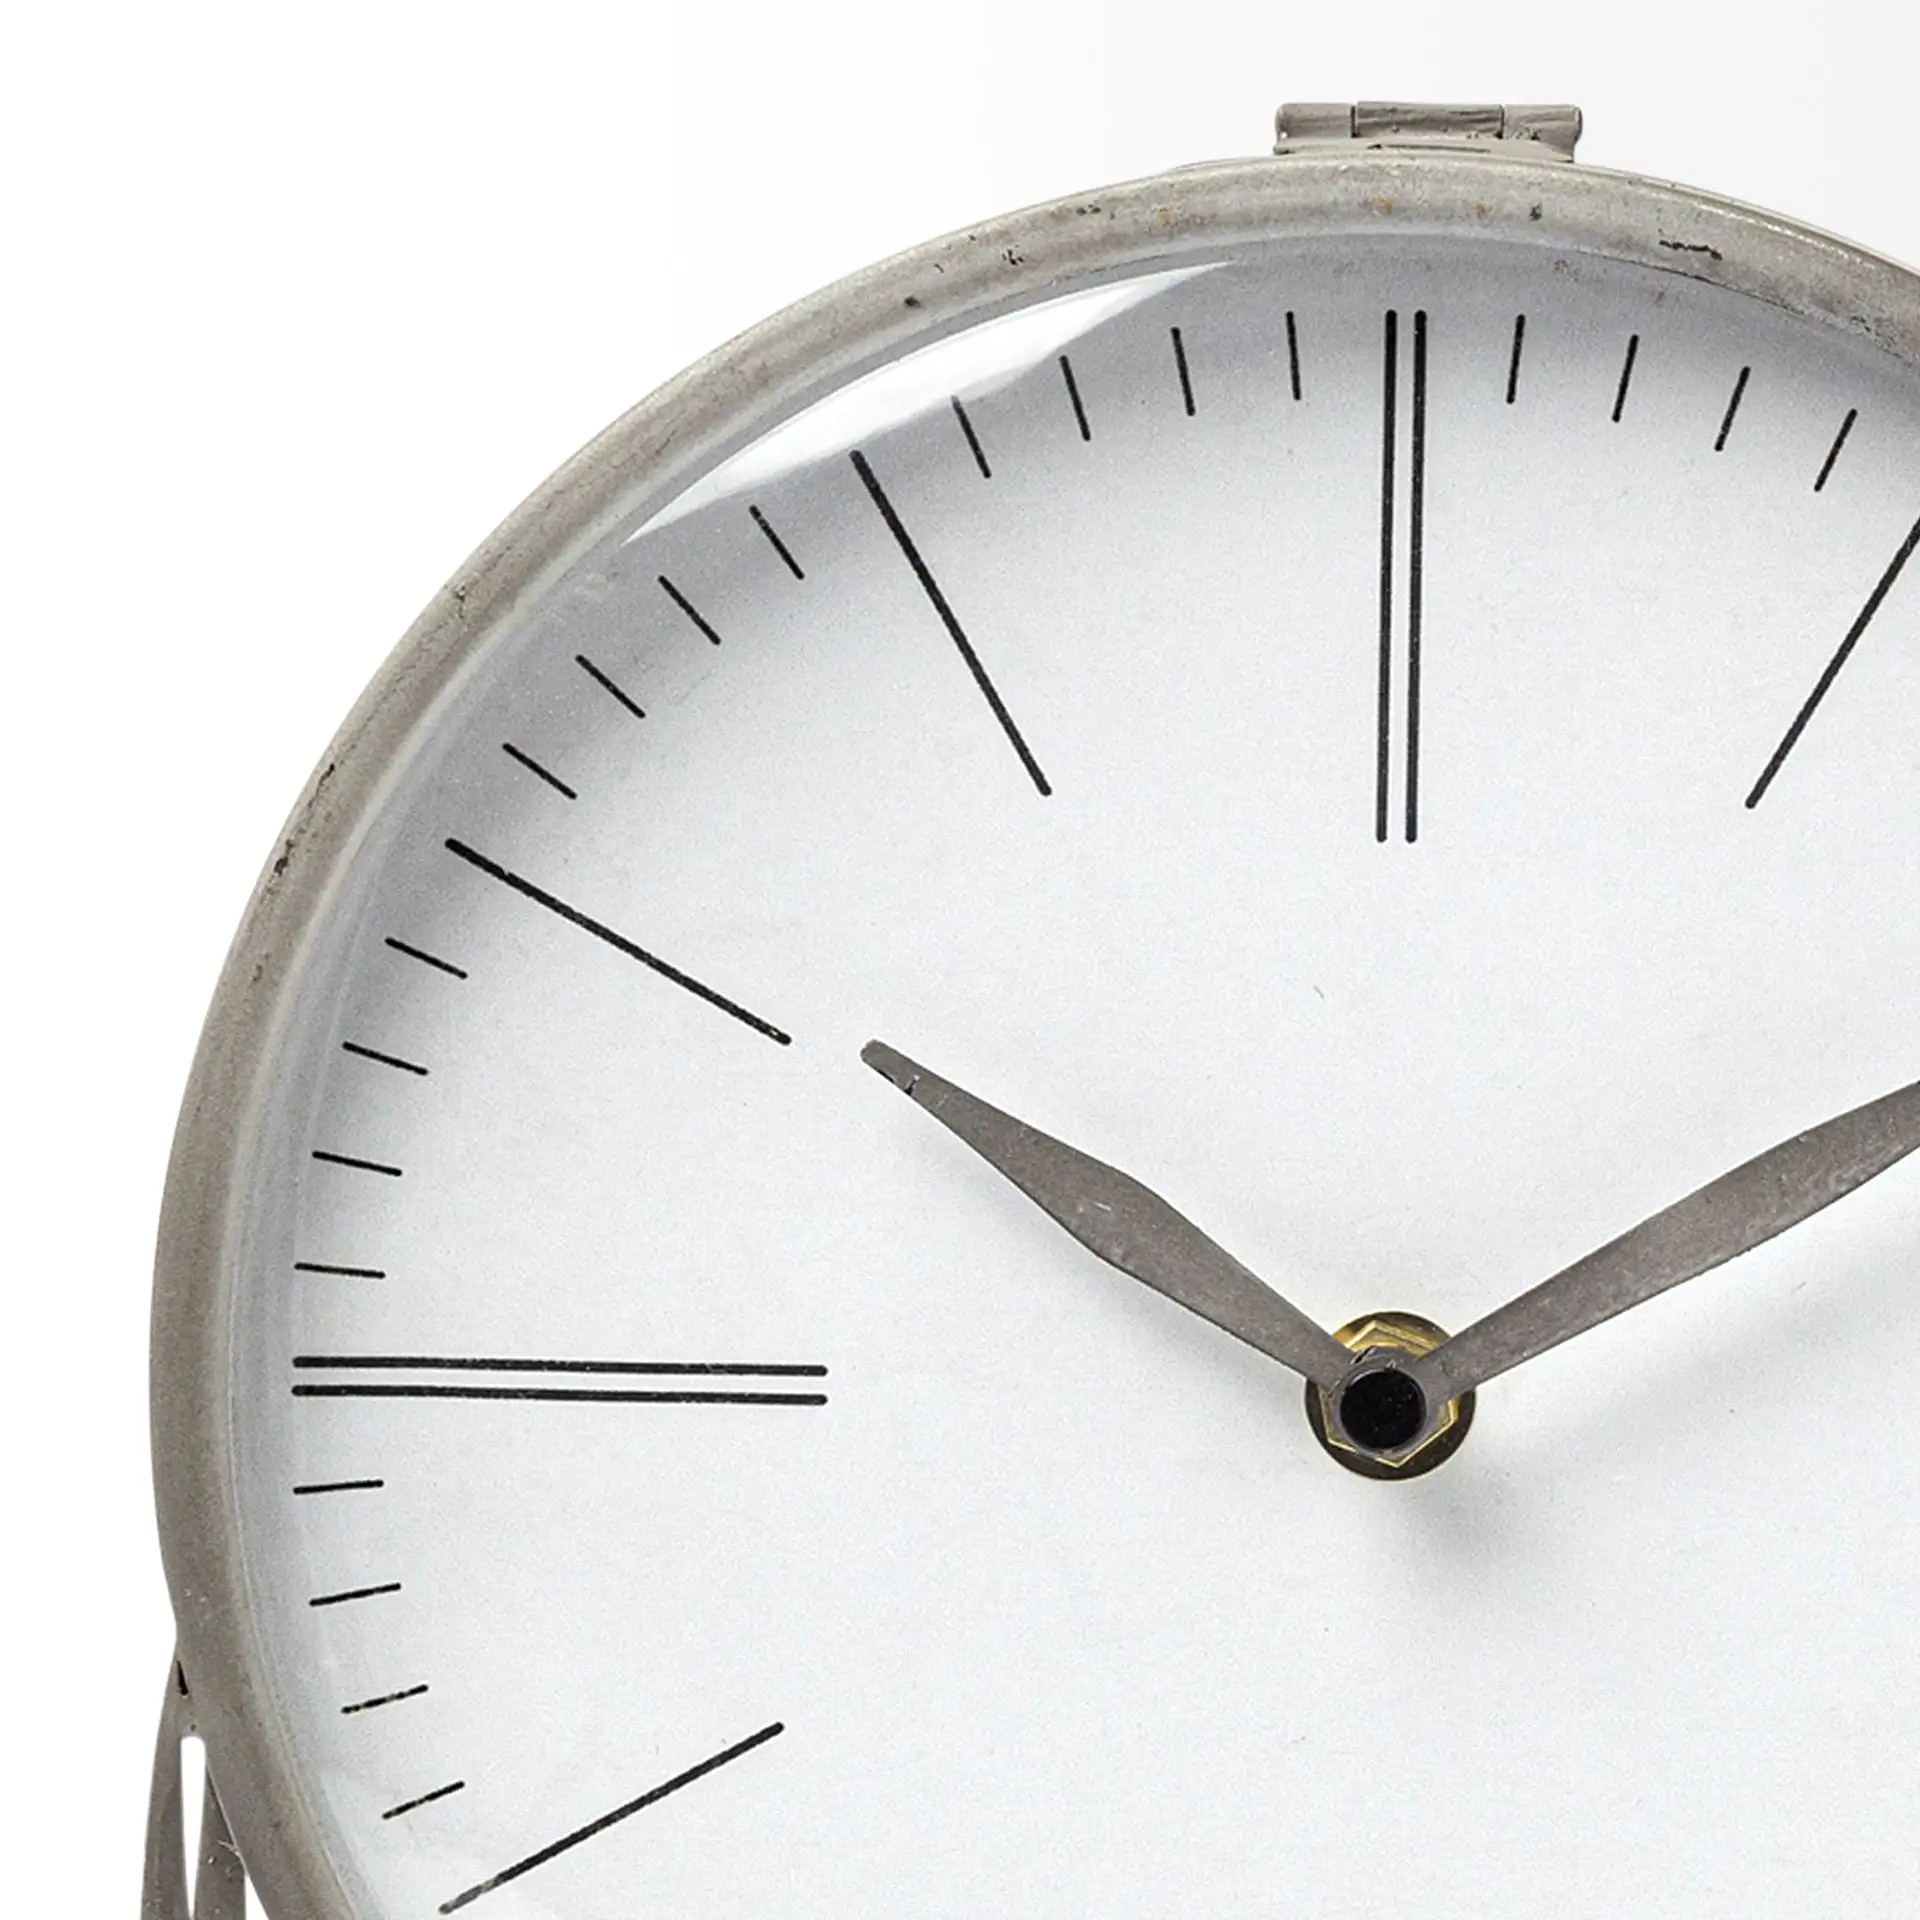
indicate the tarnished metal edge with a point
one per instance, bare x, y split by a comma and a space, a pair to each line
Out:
638, 464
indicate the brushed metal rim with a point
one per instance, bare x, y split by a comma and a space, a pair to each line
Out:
636, 466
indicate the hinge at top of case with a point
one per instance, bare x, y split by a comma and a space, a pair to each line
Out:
1544, 133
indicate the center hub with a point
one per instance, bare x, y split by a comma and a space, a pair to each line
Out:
1379, 1408
1383, 1410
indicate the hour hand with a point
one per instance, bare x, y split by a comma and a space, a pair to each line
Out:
1128, 1226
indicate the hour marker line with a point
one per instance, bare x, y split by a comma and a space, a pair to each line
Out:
1416, 570
619, 942
1293, 355
931, 588
423, 1800
437, 1363
1513, 365
612, 1396
339, 1272
1821, 687
355, 1593
1383, 716
341, 1486
606, 1820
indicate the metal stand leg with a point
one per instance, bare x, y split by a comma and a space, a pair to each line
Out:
219, 1890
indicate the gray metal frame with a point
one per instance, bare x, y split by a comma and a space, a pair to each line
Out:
639, 463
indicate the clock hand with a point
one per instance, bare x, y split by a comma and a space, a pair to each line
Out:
1727, 1216
1125, 1224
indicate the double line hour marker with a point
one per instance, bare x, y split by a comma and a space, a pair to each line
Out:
678, 1383
1403, 494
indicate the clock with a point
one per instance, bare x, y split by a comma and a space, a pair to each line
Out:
916, 1188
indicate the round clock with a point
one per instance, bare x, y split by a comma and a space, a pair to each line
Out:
916, 1189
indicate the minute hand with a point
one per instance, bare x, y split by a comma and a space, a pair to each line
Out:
1726, 1217
1128, 1226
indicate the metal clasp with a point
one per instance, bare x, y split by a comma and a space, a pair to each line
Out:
1543, 133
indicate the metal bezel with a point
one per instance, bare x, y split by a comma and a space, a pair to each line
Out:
636, 466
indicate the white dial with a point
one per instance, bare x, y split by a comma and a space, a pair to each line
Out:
1402, 743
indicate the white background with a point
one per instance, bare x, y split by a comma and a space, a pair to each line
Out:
299, 304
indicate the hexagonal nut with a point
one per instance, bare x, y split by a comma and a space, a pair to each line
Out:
1400, 1333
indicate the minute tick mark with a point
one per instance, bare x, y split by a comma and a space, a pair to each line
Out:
533, 766
1733, 407
931, 588
423, 1800
428, 959
384, 1059
973, 439
354, 1593
1833, 452
385, 1699
1180, 365
606, 683
687, 607
761, 521
1626, 378
1073, 394
351, 1160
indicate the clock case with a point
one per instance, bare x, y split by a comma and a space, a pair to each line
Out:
1504, 174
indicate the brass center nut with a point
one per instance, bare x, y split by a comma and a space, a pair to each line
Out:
1404, 1333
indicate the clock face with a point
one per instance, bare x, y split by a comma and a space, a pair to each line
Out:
1345, 730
